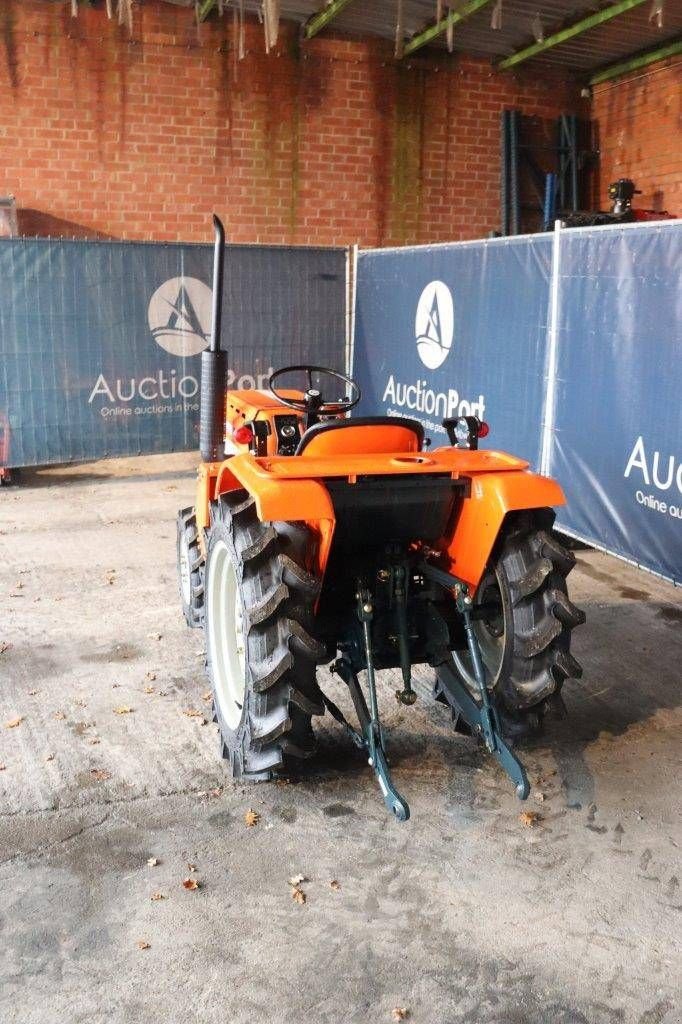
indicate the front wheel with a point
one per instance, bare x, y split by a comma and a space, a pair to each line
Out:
190, 568
523, 622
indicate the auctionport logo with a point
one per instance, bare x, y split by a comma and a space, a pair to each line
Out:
179, 316
434, 324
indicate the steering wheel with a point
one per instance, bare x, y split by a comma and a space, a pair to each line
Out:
313, 404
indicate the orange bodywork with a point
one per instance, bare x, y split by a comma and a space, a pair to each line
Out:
293, 488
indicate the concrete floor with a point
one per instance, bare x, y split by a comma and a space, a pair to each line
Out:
462, 914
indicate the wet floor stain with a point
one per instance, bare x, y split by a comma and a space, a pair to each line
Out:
337, 810
114, 653
669, 613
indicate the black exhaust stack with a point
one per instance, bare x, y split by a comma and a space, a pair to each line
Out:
214, 365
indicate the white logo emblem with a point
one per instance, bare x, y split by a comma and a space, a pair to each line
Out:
179, 316
434, 324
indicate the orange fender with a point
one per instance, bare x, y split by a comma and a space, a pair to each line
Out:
276, 499
493, 496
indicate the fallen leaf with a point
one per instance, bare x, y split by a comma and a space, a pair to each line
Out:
297, 895
19, 585
400, 1013
60, 715
529, 818
208, 696
94, 741
153, 636
334, 885
153, 861
215, 792
80, 703
14, 722
143, 944
191, 883
297, 879
101, 774
540, 797
49, 757
32, 693
191, 867
192, 713
115, 686
151, 676
123, 710
110, 577
157, 896
149, 689
251, 818
4, 646
2, 767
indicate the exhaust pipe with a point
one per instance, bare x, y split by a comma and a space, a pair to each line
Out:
214, 365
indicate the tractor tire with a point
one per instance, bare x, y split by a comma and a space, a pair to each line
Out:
190, 568
261, 654
526, 640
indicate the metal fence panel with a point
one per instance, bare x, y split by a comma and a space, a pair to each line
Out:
456, 330
618, 418
571, 346
100, 341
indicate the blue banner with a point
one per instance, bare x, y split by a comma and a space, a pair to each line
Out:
570, 346
453, 330
100, 342
616, 446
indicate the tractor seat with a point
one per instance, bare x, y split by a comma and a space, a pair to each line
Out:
365, 435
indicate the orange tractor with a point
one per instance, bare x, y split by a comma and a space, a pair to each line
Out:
318, 538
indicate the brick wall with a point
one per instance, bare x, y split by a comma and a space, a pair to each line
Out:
143, 135
638, 120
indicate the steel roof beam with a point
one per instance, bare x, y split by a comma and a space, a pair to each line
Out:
316, 22
576, 29
205, 9
635, 63
453, 18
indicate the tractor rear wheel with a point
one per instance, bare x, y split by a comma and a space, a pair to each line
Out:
261, 655
190, 568
525, 624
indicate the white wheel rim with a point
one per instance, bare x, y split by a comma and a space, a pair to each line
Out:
492, 649
226, 641
185, 571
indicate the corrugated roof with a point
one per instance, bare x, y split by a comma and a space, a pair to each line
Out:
626, 34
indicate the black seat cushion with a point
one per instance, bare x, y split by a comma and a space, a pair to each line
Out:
362, 421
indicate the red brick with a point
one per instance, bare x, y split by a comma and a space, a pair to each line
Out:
336, 146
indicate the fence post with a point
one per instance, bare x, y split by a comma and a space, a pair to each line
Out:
549, 409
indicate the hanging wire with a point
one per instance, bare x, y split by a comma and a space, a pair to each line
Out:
125, 14
242, 34
399, 32
496, 16
270, 23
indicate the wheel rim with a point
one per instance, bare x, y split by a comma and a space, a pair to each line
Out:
185, 571
490, 633
226, 642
